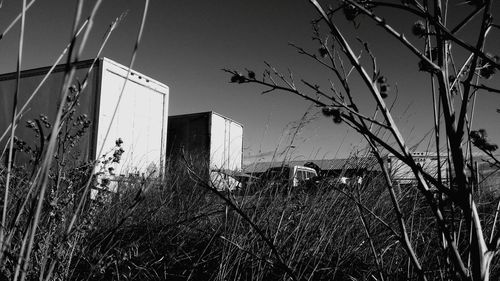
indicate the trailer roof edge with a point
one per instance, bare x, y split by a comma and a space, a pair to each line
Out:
204, 113
79, 64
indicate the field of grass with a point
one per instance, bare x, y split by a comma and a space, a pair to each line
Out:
181, 229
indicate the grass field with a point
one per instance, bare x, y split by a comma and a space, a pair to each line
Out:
181, 229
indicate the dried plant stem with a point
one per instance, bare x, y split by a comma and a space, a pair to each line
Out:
12, 133
47, 162
453, 97
132, 60
42, 82
364, 223
18, 17
279, 260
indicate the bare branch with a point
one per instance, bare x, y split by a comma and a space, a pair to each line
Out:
399, 36
486, 88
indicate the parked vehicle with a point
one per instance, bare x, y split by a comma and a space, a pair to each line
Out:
291, 177
140, 121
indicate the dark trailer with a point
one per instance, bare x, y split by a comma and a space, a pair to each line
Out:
140, 120
210, 142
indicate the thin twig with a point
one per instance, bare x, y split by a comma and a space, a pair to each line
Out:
132, 60
245, 217
12, 132
18, 17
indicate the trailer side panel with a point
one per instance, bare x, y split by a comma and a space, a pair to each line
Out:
46, 103
226, 144
139, 120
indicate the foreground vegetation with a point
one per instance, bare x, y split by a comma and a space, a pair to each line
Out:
452, 46
183, 228
180, 229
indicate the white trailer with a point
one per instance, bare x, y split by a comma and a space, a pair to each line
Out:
402, 173
209, 141
140, 120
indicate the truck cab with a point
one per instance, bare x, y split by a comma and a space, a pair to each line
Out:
301, 174
293, 176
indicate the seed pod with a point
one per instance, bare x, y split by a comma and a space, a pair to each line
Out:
350, 12
251, 74
323, 52
328, 111
487, 71
490, 147
483, 133
337, 116
119, 142
30, 124
418, 29
384, 89
433, 54
72, 89
425, 66
337, 119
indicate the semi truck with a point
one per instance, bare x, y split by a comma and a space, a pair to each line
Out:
210, 143
139, 125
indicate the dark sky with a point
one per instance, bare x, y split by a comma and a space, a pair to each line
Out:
187, 43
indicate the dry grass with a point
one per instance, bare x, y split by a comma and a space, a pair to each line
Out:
43, 222
183, 229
